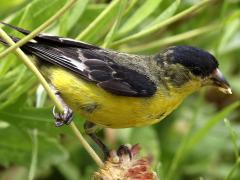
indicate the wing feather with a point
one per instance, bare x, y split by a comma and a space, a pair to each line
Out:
90, 62
106, 73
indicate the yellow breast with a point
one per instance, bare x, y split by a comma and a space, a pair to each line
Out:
106, 109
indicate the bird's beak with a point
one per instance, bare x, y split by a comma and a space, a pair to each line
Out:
220, 82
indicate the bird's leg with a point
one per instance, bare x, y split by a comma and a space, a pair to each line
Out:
90, 129
64, 117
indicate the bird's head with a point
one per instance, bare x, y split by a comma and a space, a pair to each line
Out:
186, 63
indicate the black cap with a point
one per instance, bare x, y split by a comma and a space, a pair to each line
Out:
199, 62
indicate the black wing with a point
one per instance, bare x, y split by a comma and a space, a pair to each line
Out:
91, 63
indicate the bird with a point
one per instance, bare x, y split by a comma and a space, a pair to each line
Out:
112, 89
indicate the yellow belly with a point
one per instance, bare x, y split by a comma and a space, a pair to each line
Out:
106, 109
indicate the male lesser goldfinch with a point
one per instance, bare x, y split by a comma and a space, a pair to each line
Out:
119, 90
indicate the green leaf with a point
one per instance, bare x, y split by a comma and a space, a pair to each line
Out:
230, 29
130, 6
140, 15
100, 23
37, 12
15, 85
155, 45
110, 35
163, 24
16, 147
33, 166
41, 96
70, 19
6, 64
5, 5
20, 90
90, 14
202, 132
167, 13
233, 134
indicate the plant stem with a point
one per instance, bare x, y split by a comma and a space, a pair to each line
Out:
44, 83
163, 23
182, 147
97, 20
86, 145
33, 68
235, 167
34, 33
33, 166
172, 39
111, 34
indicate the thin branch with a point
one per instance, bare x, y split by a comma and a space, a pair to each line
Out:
93, 24
41, 79
33, 68
86, 145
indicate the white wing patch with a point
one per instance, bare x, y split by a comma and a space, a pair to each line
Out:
78, 64
73, 40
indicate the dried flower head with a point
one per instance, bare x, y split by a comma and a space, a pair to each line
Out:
125, 166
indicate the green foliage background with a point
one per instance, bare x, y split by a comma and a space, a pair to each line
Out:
199, 140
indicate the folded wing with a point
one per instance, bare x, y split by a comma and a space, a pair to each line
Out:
91, 63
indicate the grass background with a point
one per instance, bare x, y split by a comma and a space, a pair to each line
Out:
200, 140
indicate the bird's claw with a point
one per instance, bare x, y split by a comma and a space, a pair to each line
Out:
64, 117
124, 150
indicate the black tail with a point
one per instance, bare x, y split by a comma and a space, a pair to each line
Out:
5, 43
15, 39
54, 40
23, 31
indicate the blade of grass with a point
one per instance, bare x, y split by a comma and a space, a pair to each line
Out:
69, 19
11, 73
93, 26
8, 63
172, 39
34, 33
33, 165
140, 15
18, 92
233, 135
41, 96
192, 139
167, 13
235, 167
230, 29
181, 149
110, 35
199, 134
5, 66
11, 88
130, 6
165, 23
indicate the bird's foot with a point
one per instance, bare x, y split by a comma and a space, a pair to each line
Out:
90, 129
64, 117
124, 150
